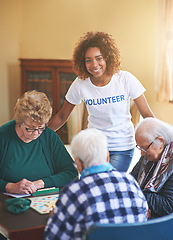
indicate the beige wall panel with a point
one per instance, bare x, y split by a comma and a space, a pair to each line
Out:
49, 29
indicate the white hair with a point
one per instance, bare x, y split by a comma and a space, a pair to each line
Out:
151, 128
90, 146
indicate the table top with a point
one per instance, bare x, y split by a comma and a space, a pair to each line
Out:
30, 219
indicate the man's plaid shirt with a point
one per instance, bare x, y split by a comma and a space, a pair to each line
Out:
106, 197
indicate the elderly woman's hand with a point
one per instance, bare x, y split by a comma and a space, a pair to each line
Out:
39, 184
23, 187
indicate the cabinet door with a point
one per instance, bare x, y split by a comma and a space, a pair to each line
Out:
65, 80
34, 78
40, 81
51, 76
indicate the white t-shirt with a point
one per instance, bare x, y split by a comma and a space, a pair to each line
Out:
109, 107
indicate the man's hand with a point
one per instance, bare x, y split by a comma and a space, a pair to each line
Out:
148, 213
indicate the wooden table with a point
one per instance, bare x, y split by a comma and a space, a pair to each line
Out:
28, 225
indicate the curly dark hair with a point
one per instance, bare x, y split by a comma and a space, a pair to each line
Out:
108, 48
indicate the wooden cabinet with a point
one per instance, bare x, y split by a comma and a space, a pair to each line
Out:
50, 76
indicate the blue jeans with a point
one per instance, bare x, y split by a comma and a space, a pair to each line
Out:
121, 160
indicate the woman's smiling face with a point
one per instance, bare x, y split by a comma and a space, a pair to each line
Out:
94, 62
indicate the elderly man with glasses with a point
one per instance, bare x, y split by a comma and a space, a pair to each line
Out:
31, 155
154, 171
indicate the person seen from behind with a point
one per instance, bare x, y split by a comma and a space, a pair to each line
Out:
101, 195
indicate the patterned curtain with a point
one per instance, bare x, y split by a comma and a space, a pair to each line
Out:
164, 61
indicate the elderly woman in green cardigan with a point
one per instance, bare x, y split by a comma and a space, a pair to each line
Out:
32, 156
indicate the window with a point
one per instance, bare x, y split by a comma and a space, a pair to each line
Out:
164, 61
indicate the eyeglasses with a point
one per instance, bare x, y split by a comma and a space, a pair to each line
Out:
145, 150
30, 130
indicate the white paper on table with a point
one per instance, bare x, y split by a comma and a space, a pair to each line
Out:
17, 195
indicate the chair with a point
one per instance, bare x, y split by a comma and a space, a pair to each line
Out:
77, 120
156, 229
